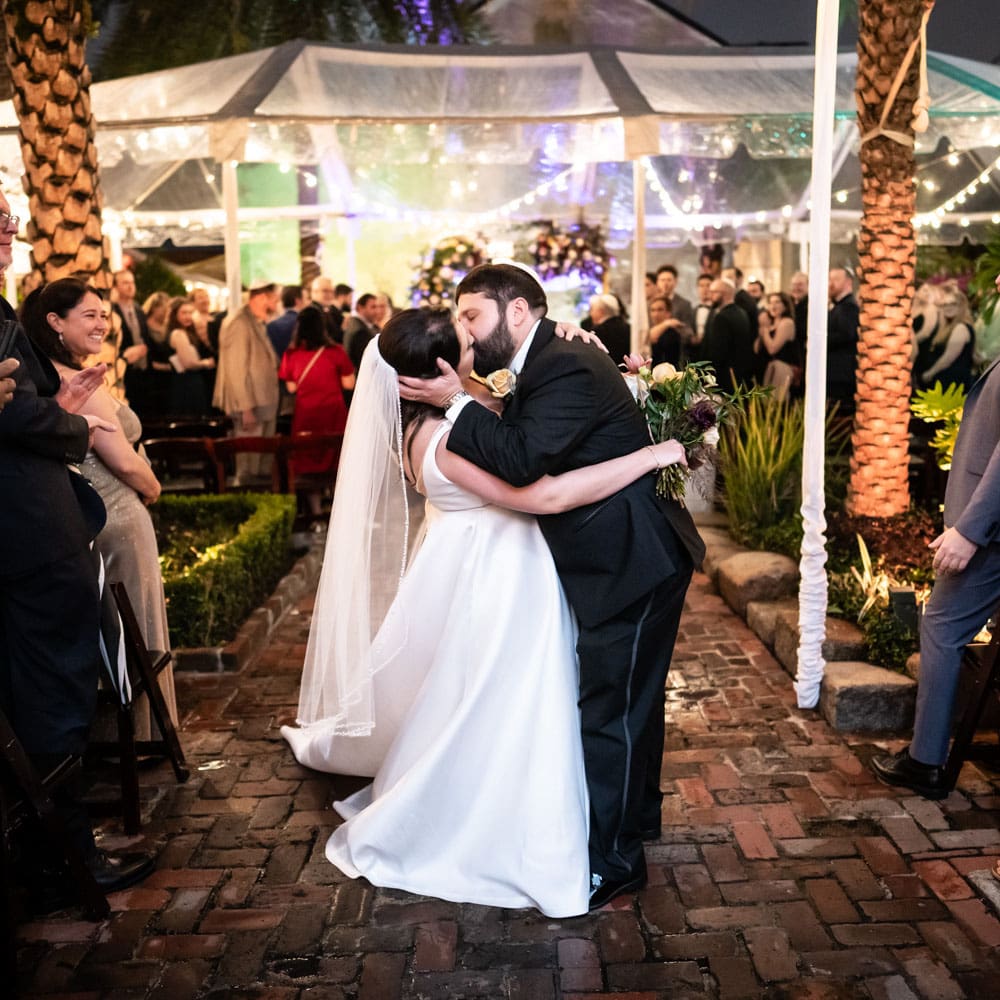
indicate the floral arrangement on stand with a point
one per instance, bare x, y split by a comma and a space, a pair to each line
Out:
571, 257
685, 405
443, 266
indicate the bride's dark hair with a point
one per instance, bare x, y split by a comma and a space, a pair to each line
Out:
411, 342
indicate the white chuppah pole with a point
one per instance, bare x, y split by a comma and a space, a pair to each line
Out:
638, 303
812, 566
231, 205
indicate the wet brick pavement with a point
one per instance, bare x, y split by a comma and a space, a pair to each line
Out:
784, 871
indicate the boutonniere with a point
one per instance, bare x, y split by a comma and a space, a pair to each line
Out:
501, 383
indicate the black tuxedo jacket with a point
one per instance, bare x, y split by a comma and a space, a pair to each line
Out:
571, 409
842, 349
47, 512
728, 345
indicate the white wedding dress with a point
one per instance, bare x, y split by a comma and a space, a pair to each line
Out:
479, 792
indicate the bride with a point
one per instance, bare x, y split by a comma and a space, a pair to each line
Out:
453, 681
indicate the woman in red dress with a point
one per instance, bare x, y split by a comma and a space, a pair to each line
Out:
317, 371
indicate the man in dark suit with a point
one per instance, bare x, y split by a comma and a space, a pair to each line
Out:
842, 341
728, 343
360, 328
966, 588
135, 338
681, 311
49, 597
625, 562
610, 327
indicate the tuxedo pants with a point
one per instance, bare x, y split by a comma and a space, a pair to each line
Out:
50, 654
623, 671
959, 607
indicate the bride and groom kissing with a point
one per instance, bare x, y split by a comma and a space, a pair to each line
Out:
515, 746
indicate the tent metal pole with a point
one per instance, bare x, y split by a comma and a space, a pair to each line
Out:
637, 306
812, 565
231, 205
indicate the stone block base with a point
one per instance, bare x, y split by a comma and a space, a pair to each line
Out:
858, 697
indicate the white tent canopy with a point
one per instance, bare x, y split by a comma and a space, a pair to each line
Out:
386, 122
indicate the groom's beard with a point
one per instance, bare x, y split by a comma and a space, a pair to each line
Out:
495, 351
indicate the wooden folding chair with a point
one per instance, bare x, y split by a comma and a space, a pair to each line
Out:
24, 796
226, 450
169, 456
308, 441
982, 661
144, 667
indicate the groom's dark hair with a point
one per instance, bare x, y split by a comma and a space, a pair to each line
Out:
503, 283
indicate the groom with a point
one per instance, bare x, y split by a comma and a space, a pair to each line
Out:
624, 562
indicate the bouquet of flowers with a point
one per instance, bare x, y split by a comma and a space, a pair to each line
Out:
685, 405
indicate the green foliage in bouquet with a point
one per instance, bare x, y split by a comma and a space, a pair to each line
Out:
443, 266
220, 557
686, 405
944, 406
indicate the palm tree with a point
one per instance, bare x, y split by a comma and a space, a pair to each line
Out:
50, 79
887, 254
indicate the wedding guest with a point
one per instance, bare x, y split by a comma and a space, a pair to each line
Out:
607, 324
361, 327
158, 367
777, 346
925, 317
386, 310
842, 341
755, 289
681, 313
65, 321
951, 347
664, 337
192, 358
316, 372
742, 297
966, 589
323, 296
798, 290
729, 340
134, 338
246, 385
281, 328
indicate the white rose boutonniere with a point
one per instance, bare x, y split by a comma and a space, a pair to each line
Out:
501, 383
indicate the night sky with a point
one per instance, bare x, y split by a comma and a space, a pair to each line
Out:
969, 28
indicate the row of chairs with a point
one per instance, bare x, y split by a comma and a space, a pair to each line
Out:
213, 459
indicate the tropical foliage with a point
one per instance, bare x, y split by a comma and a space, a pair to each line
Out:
943, 406
139, 36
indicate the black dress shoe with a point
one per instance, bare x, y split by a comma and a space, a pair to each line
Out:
901, 769
603, 890
112, 874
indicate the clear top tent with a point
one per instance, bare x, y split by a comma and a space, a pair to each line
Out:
397, 133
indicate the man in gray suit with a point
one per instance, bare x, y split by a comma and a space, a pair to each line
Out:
966, 588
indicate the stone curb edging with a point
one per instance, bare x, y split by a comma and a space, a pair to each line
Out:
762, 588
253, 633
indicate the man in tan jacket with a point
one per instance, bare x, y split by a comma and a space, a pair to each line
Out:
246, 385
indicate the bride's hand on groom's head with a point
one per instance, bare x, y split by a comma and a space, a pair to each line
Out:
433, 391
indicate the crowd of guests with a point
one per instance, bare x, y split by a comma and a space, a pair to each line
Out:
751, 336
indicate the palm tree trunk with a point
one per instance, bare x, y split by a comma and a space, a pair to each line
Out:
46, 56
879, 485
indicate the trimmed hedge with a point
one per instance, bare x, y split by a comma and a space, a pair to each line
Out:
221, 556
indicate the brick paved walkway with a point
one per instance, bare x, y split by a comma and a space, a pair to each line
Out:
784, 870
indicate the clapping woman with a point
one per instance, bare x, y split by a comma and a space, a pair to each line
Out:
67, 321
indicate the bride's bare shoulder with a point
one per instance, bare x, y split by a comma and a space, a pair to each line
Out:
415, 447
